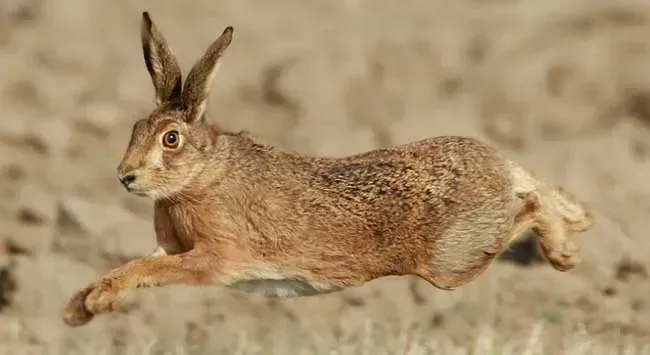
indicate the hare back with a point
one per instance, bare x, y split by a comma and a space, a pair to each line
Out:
423, 187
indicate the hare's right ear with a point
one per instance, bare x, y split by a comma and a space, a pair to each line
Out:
161, 62
199, 79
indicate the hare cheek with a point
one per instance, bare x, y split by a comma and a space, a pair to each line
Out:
156, 159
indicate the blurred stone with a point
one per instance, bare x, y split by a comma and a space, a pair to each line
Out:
129, 240
21, 10
92, 217
53, 135
13, 129
627, 270
45, 282
603, 247
35, 216
98, 118
7, 281
50, 137
36, 206
13, 172
90, 232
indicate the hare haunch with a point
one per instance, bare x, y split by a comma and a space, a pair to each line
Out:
232, 210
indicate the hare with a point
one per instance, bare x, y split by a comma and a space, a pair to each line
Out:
235, 211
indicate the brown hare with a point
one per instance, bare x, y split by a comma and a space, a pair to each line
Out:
232, 210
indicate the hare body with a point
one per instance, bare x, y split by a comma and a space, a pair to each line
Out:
235, 211
441, 208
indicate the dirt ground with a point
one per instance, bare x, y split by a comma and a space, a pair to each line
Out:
561, 86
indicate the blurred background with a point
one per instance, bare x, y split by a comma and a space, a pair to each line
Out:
561, 86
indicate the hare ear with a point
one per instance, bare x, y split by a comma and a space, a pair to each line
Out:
199, 79
161, 63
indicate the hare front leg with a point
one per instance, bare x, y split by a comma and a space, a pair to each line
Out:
104, 295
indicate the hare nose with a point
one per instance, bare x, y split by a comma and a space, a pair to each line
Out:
126, 178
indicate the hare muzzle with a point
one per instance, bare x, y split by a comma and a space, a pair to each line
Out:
126, 179
129, 179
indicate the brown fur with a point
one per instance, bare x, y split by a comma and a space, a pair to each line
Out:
235, 211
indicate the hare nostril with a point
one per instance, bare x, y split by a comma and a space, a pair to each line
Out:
127, 179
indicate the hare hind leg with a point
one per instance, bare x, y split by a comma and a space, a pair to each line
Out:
469, 248
552, 232
555, 216
465, 252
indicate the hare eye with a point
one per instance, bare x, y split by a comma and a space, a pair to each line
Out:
170, 139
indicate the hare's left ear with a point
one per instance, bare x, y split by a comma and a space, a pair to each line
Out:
199, 79
160, 61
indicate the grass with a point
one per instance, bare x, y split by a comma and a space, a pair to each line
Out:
371, 339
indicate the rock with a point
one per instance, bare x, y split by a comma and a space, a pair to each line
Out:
129, 240
53, 135
20, 9
13, 172
37, 207
604, 247
98, 118
92, 217
628, 270
7, 282
45, 138
45, 282
35, 215
13, 129
91, 232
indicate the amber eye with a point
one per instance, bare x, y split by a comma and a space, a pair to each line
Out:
171, 139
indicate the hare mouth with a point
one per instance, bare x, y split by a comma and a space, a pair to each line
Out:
137, 191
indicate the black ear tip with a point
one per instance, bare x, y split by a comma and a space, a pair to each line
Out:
146, 22
229, 30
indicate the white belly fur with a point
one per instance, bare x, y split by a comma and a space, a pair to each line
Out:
277, 285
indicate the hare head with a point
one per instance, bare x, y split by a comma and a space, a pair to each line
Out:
167, 149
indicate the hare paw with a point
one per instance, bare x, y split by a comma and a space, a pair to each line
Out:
564, 258
102, 297
76, 313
